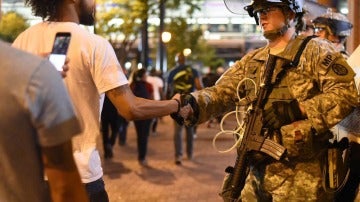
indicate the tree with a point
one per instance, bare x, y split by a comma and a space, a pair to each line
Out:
121, 21
190, 37
11, 25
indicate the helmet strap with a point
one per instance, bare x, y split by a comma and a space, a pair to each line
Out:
274, 34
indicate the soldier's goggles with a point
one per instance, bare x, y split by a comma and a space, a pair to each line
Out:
265, 11
318, 29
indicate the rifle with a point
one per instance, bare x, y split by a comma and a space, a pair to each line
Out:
254, 139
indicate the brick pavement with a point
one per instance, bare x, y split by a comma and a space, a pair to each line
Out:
196, 180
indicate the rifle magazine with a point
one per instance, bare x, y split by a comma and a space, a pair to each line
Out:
273, 149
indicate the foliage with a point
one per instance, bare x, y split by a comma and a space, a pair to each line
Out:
11, 25
207, 54
190, 37
121, 21
192, 5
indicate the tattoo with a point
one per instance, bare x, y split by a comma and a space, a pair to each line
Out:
118, 92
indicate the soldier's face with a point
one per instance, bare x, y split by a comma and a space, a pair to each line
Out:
271, 18
320, 32
87, 12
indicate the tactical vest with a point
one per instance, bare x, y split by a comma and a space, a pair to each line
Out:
255, 67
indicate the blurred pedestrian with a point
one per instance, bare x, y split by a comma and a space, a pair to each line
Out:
182, 79
158, 87
123, 125
141, 88
109, 120
209, 80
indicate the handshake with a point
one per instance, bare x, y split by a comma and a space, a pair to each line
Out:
188, 110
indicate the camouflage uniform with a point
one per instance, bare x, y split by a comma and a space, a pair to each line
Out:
336, 28
322, 83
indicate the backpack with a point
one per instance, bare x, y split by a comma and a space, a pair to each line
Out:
183, 81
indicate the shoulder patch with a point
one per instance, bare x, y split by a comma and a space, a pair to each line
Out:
339, 69
328, 60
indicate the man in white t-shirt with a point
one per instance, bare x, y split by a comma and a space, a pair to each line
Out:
94, 71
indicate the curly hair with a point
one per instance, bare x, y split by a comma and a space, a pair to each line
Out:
46, 9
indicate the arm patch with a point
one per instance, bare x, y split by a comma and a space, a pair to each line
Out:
339, 69
327, 61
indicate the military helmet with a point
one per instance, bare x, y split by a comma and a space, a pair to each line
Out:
335, 23
257, 5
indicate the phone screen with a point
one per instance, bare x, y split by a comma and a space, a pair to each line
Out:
59, 50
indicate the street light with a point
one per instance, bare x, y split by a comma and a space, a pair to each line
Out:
166, 37
162, 58
187, 52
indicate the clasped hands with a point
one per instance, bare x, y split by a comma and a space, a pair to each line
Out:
188, 110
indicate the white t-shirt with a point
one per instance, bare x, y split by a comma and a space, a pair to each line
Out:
157, 84
93, 70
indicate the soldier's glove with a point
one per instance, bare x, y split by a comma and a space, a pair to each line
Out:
176, 116
281, 113
192, 120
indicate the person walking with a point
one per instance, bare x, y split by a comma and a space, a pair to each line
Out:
182, 79
94, 72
109, 119
311, 89
158, 86
123, 126
142, 88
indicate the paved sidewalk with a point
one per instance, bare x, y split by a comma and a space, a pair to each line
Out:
196, 180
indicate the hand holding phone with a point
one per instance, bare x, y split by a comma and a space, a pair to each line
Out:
58, 53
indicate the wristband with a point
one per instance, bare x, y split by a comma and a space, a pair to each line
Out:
179, 105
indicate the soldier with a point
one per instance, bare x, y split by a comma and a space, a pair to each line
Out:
305, 101
334, 27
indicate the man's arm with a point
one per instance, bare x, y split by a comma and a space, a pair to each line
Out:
62, 173
132, 108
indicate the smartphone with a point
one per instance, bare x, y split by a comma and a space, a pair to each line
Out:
58, 53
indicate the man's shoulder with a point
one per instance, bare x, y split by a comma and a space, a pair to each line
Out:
175, 70
321, 44
172, 71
